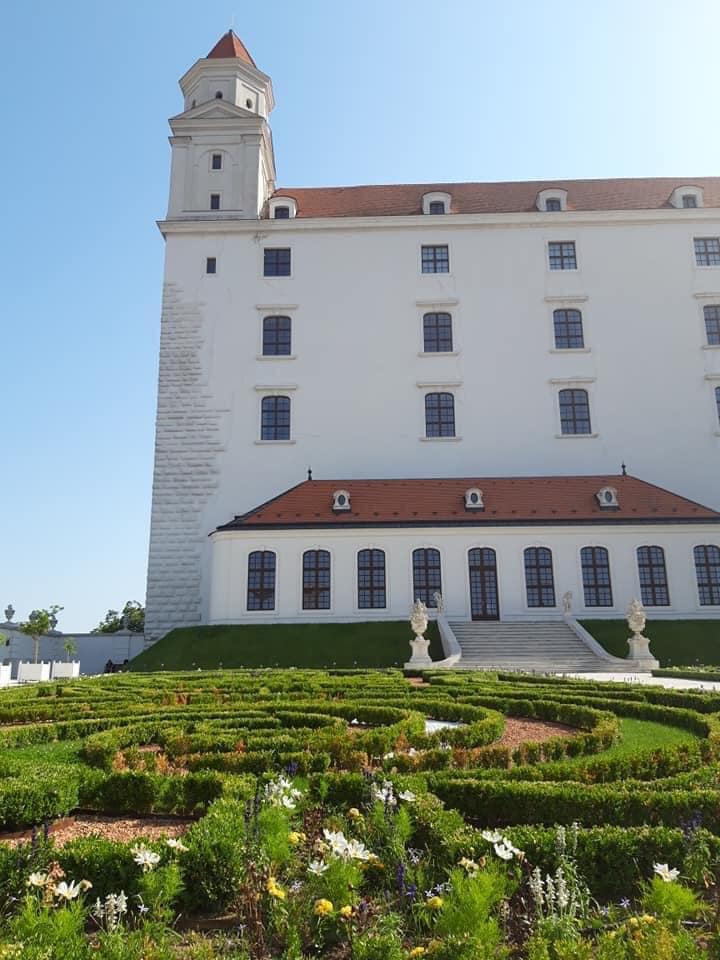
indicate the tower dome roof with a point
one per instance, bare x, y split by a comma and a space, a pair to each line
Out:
230, 45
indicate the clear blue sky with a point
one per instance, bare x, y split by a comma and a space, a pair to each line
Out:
371, 91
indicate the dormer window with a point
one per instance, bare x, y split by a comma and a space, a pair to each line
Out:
551, 200
687, 198
436, 203
474, 499
282, 208
341, 501
607, 498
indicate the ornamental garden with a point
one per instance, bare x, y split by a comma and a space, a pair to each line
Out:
292, 814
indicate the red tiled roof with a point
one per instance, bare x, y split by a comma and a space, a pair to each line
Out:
230, 45
508, 500
405, 199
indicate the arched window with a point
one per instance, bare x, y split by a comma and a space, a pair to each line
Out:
371, 580
653, 577
707, 573
316, 580
539, 581
218, 95
597, 588
275, 423
261, 580
276, 336
574, 412
439, 415
712, 324
568, 327
426, 575
437, 333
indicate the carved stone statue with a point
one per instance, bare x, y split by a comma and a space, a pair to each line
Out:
9, 613
639, 645
567, 602
419, 644
439, 602
636, 617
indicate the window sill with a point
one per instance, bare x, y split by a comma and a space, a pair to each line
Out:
439, 439
439, 353
576, 436
570, 350
278, 356
710, 346
274, 443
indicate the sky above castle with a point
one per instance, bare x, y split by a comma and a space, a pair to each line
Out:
367, 92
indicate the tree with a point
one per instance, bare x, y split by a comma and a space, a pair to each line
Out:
39, 623
70, 648
132, 618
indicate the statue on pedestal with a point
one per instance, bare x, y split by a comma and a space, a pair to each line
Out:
419, 644
639, 645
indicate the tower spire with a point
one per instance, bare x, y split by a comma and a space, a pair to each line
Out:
230, 47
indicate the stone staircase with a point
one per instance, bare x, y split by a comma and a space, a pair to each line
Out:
540, 646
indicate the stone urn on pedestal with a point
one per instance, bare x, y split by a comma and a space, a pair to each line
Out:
419, 644
638, 645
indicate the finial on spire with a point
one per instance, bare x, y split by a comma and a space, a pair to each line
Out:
309, 473
623, 468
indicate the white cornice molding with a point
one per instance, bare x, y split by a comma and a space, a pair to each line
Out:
275, 387
264, 307
580, 298
559, 381
432, 384
461, 221
438, 302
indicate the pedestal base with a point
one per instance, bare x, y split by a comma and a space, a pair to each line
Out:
420, 657
639, 650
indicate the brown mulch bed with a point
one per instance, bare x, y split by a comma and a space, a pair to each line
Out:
123, 829
519, 731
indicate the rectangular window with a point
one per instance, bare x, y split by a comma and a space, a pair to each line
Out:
707, 251
712, 324
437, 333
217, 161
568, 327
276, 336
689, 201
597, 588
653, 577
439, 415
574, 412
427, 579
371, 580
316, 580
281, 213
553, 205
435, 259
275, 418
707, 573
211, 265
562, 256
539, 580
436, 206
214, 201
261, 580
276, 262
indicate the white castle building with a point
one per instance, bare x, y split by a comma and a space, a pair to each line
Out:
464, 367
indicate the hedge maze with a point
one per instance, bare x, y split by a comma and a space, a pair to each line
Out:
635, 782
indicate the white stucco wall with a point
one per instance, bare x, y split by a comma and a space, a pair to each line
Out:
228, 593
356, 297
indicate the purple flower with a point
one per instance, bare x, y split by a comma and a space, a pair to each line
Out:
625, 903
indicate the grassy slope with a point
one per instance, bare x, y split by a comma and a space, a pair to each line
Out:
382, 644
673, 642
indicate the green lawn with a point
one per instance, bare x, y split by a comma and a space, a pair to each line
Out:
673, 642
382, 644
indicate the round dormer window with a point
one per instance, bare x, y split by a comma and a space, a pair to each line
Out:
474, 497
608, 496
341, 500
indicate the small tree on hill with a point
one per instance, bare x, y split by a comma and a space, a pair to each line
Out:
39, 623
132, 618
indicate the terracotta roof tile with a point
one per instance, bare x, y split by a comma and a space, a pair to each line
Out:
396, 200
441, 502
230, 46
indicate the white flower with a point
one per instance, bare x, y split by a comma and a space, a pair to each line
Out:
408, 796
492, 836
67, 891
176, 844
469, 865
665, 873
505, 853
317, 868
384, 794
147, 859
355, 850
281, 793
37, 880
354, 722
389, 756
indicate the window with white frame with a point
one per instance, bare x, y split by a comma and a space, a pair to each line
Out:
427, 579
316, 580
711, 314
277, 336
539, 580
261, 580
372, 591
439, 415
574, 406
707, 574
435, 258
595, 567
437, 332
562, 255
275, 418
568, 329
652, 572
707, 251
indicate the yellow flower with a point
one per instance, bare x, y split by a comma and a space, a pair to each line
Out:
274, 889
295, 838
647, 918
346, 911
435, 903
323, 908
355, 814
418, 952
434, 945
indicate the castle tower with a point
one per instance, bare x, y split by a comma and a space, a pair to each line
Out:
223, 169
